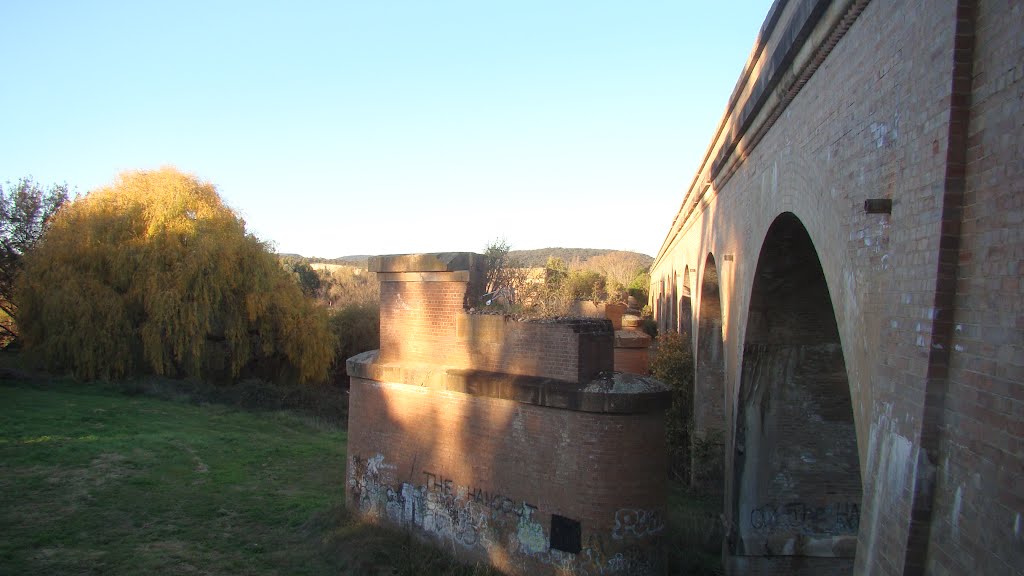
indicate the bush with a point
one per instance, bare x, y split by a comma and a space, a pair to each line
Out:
347, 285
649, 326
708, 460
156, 275
639, 286
356, 329
673, 365
586, 285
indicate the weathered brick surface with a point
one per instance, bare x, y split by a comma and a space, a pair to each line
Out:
978, 526
930, 372
426, 322
500, 469
503, 441
633, 360
418, 318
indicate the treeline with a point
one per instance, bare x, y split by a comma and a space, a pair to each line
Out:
538, 258
351, 295
156, 275
357, 260
574, 257
551, 290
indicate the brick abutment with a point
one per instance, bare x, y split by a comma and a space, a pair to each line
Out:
507, 442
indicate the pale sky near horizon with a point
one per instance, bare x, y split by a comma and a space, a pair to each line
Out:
379, 127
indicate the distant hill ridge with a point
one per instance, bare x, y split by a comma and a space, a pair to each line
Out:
539, 257
530, 258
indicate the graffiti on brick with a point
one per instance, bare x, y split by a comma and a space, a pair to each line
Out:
366, 473
477, 518
840, 518
487, 521
637, 523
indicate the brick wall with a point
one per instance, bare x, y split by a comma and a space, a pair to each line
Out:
484, 477
920, 103
417, 319
424, 319
978, 526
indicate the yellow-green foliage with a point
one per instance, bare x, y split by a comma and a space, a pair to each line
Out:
155, 274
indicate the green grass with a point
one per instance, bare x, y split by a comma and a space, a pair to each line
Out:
94, 482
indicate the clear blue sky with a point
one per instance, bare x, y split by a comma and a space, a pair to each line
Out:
380, 126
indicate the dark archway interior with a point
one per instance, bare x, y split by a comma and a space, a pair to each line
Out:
662, 311
796, 470
707, 444
686, 312
673, 310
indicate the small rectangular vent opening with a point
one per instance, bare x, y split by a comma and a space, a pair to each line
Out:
565, 534
878, 206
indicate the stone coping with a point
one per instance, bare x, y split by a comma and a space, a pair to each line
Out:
631, 339
436, 262
609, 392
577, 324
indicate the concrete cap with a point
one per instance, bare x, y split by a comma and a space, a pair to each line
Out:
437, 262
631, 339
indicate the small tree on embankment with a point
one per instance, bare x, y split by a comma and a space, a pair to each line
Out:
155, 275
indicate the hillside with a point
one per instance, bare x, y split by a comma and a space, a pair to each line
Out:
539, 257
530, 258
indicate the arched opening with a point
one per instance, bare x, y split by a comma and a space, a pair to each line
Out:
673, 309
685, 325
707, 446
659, 312
797, 484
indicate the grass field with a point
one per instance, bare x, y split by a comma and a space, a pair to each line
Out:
95, 482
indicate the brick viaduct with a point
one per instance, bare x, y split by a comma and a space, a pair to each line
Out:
846, 266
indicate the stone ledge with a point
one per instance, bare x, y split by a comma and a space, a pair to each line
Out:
457, 276
631, 339
610, 392
438, 262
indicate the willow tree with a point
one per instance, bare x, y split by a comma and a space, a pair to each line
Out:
154, 274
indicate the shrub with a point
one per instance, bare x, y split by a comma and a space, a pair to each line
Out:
708, 459
356, 329
586, 285
639, 286
673, 365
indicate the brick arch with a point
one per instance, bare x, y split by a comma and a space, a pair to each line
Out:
709, 384
796, 190
796, 482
